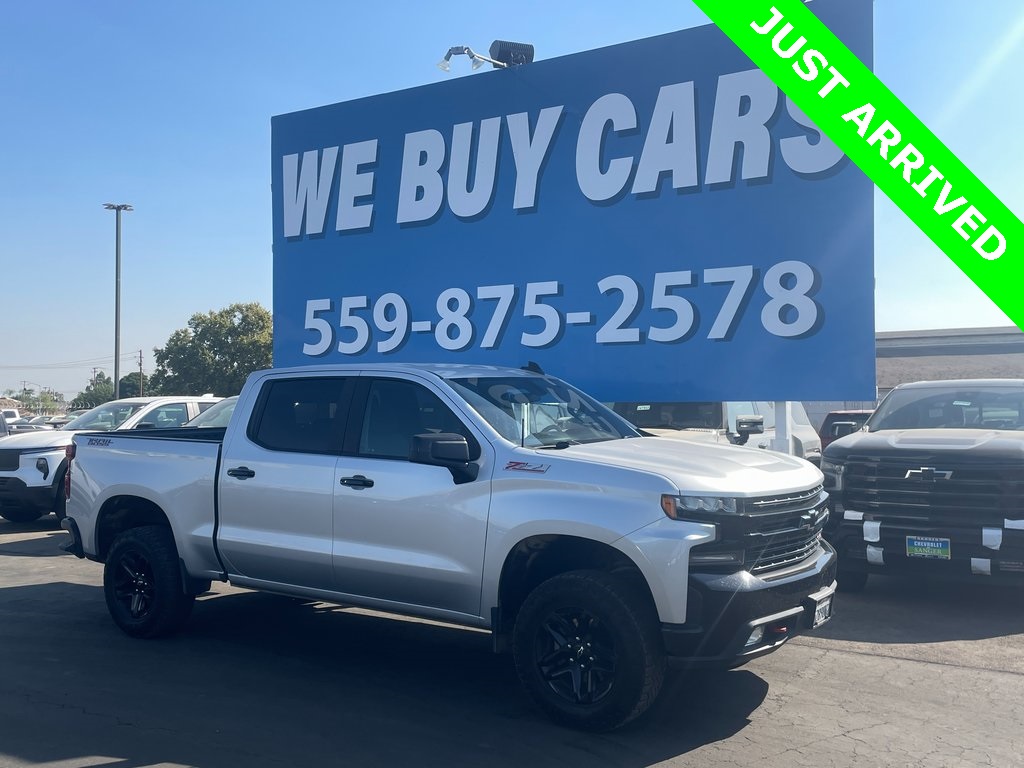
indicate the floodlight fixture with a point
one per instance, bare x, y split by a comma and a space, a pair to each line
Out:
477, 59
504, 54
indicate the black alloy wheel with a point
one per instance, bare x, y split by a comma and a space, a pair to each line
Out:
575, 655
588, 648
142, 583
133, 584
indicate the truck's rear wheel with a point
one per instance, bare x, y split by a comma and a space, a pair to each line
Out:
142, 583
21, 515
588, 649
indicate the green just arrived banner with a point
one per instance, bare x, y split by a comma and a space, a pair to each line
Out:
851, 106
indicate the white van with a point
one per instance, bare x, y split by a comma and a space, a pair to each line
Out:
747, 422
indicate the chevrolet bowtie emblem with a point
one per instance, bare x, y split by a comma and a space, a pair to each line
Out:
929, 474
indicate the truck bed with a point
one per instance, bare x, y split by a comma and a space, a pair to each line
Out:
204, 434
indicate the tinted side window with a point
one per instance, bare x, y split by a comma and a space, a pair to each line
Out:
302, 415
396, 410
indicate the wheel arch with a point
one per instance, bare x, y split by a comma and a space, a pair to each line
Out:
537, 558
121, 513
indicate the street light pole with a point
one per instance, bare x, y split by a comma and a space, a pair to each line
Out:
117, 208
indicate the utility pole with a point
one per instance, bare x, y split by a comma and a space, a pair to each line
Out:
117, 208
142, 387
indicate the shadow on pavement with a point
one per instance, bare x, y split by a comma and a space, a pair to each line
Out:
47, 545
260, 680
44, 523
917, 610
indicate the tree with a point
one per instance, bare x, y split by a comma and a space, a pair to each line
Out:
43, 401
99, 391
216, 352
130, 386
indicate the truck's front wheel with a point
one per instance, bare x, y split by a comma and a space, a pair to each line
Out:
588, 649
142, 583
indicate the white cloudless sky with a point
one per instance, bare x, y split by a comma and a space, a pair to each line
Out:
167, 107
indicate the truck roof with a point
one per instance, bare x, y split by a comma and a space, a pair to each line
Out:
441, 370
964, 383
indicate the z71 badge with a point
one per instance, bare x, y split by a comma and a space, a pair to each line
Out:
103, 442
525, 466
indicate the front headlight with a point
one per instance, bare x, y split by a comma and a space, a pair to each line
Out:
686, 507
833, 472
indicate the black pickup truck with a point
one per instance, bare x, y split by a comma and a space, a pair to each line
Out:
933, 484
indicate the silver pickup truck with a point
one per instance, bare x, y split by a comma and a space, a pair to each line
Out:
494, 498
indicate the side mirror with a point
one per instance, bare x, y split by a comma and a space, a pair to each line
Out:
445, 449
843, 428
145, 425
747, 426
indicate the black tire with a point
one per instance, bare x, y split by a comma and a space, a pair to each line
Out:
588, 649
142, 583
21, 515
851, 582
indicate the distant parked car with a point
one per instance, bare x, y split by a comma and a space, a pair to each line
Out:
841, 423
41, 421
58, 422
24, 425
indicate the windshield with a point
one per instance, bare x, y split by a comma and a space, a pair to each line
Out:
541, 411
953, 408
217, 415
104, 417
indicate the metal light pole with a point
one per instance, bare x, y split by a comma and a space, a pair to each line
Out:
117, 208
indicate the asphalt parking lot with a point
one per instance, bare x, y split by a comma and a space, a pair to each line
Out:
907, 674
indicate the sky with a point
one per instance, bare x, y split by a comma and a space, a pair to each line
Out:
167, 106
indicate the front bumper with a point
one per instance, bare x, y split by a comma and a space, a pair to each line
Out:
873, 544
725, 610
16, 495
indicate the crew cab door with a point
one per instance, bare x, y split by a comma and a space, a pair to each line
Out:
405, 532
277, 483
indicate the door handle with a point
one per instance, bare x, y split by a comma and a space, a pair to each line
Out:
242, 473
357, 481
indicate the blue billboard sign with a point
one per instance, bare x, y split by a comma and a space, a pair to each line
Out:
651, 221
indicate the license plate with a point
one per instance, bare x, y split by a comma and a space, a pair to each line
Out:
925, 546
822, 612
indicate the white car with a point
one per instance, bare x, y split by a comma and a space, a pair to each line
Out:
32, 464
